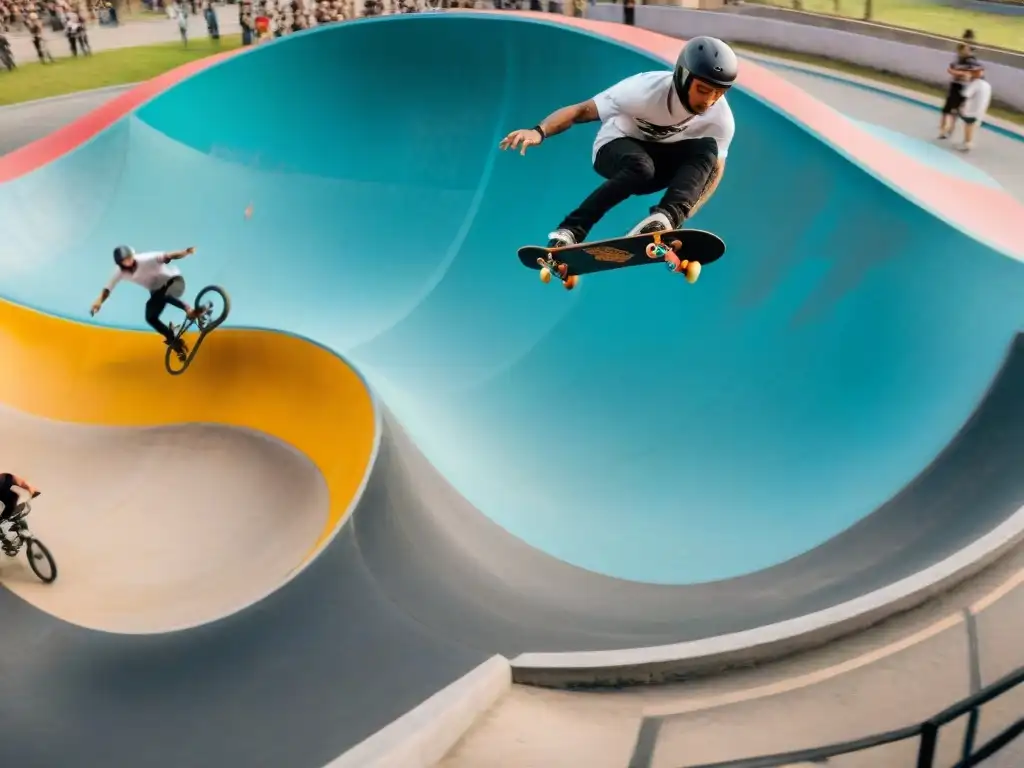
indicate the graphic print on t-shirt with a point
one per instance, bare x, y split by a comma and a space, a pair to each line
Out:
659, 132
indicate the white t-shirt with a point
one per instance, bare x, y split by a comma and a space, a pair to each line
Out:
151, 272
646, 107
977, 96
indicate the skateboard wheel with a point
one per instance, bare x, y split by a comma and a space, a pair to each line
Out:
545, 275
571, 282
652, 251
563, 270
693, 271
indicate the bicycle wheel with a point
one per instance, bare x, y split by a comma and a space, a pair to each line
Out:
41, 561
214, 295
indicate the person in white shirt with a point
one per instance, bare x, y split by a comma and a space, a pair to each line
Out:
961, 71
977, 95
154, 272
665, 130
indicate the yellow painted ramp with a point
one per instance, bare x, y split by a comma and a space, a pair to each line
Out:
163, 500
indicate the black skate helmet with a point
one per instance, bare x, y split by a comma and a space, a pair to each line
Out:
707, 59
121, 253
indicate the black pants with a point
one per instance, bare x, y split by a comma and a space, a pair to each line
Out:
10, 500
634, 167
159, 299
954, 98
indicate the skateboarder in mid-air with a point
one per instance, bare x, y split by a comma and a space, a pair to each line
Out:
664, 130
154, 272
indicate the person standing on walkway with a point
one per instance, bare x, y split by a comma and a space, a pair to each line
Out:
977, 95
182, 16
35, 28
960, 72
212, 27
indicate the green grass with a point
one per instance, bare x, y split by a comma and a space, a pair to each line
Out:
889, 78
33, 80
1000, 30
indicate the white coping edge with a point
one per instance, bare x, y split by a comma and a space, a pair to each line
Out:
980, 549
424, 735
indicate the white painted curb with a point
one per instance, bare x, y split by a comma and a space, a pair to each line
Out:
916, 587
424, 735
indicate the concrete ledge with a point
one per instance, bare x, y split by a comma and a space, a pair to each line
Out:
679, 661
896, 674
927, 65
999, 622
906, 682
422, 737
896, 687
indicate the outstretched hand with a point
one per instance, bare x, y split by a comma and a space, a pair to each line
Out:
524, 137
94, 309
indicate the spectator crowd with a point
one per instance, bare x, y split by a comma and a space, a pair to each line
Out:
259, 20
267, 19
70, 17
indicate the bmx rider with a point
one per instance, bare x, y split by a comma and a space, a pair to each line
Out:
664, 130
11, 501
154, 272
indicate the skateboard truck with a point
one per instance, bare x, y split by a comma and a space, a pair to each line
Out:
658, 249
670, 253
549, 267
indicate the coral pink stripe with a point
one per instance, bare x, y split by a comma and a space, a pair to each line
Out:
990, 214
49, 148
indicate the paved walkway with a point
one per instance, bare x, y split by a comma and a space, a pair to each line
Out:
1000, 156
21, 124
895, 674
146, 31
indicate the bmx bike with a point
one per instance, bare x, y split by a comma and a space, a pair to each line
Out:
177, 362
39, 558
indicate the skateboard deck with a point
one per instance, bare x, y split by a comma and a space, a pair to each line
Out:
681, 250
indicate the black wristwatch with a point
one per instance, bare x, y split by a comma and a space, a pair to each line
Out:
540, 130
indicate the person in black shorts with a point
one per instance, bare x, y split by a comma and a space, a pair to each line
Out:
960, 72
11, 500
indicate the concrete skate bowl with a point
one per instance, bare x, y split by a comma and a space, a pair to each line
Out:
246, 483
625, 482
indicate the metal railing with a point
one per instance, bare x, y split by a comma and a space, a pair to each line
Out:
928, 731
